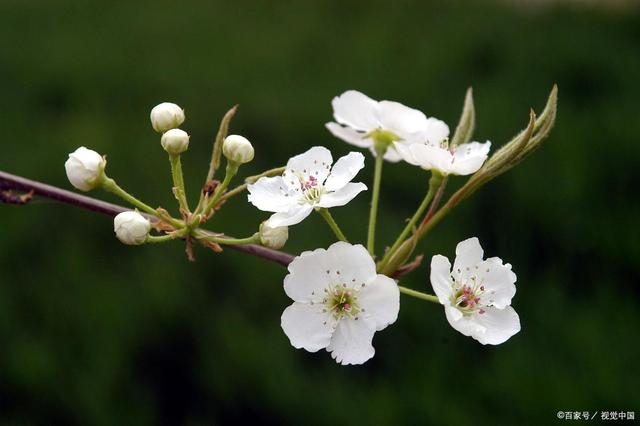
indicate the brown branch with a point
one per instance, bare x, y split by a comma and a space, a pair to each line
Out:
12, 182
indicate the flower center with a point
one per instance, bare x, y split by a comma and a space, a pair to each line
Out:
342, 301
468, 298
311, 190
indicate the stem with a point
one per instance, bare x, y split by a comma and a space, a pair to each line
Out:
433, 183
252, 179
178, 182
160, 239
13, 182
377, 177
110, 185
332, 223
419, 294
255, 238
232, 169
436, 201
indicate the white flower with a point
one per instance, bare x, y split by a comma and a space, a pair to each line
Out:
447, 160
131, 227
308, 182
359, 118
237, 148
85, 168
476, 294
175, 141
166, 116
274, 238
339, 302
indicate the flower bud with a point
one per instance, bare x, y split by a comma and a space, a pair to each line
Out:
274, 238
85, 168
238, 149
166, 116
175, 141
131, 227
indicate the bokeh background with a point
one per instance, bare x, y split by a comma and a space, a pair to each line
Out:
93, 332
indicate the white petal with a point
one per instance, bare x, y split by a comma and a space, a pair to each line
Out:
467, 325
499, 325
293, 216
345, 169
380, 301
342, 196
468, 158
498, 281
307, 327
314, 271
351, 341
403, 151
314, 162
349, 135
271, 194
355, 110
431, 158
441, 278
400, 119
468, 256
436, 131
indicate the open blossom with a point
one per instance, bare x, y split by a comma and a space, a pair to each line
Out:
359, 118
339, 302
308, 182
476, 293
447, 160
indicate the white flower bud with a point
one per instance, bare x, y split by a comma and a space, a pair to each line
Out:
131, 227
85, 168
166, 116
274, 238
175, 141
238, 149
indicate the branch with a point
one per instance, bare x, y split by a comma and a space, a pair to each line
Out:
11, 182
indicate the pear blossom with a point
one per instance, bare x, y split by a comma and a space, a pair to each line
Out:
339, 302
85, 168
360, 119
476, 293
131, 227
308, 182
175, 141
237, 148
166, 116
444, 158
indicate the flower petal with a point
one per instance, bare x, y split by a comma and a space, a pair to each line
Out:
355, 110
271, 194
467, 325
312, 272
468, 256
351, 341
441, 278
400, 119
307, 327
499, 325
349, 135
315, 162
345, 169
469, 157
342, 196
498, 281
293, 216
436, 131
380, 301
431, 158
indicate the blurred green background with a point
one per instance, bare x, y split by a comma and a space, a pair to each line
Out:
93, 332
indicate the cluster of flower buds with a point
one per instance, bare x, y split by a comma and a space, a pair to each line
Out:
344, 294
